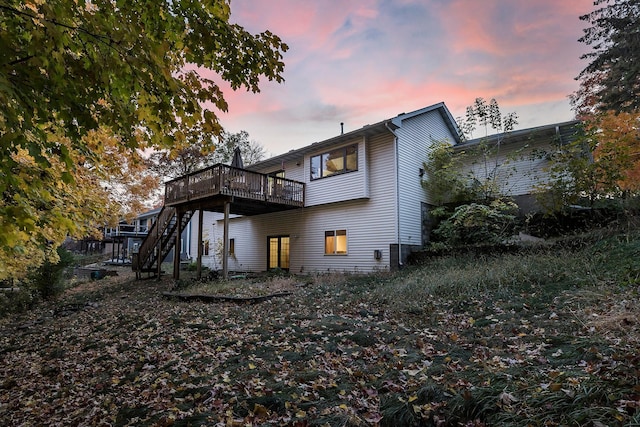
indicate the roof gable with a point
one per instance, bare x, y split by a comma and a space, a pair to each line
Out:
384, 126
444, 113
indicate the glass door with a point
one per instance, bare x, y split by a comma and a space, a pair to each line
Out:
278, 252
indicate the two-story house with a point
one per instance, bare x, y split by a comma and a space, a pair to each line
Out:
352, 203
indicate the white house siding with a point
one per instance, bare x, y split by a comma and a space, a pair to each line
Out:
294, 170
371, 223
414, 137
339, 188
518, 171
208, 221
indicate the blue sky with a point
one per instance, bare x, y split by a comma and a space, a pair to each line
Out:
363, 61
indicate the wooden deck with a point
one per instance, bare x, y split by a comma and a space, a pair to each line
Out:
252, 193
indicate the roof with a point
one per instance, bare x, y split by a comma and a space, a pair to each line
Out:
444, 112
387, 125
149, 213
564, 131
298, 155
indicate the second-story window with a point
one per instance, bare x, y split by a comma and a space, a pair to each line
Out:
334, 162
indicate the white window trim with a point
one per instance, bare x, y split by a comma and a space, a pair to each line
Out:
335, 235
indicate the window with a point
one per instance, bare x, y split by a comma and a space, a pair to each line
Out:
335, 162
232, 247
274, 181
205, 248
335, 242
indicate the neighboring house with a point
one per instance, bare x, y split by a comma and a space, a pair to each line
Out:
517, 162
352, 203
125, 239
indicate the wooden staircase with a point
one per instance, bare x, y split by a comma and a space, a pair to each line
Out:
160, 240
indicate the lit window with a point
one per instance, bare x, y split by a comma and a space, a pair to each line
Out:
335, 162
335, 242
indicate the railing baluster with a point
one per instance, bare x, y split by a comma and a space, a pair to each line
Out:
224, 179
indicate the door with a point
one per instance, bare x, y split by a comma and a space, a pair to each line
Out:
278, 252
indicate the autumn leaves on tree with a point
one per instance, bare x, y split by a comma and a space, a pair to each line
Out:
608, 99
83, 92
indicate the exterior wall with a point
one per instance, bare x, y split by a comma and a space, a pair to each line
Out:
352, 185
213, 232
414, 137
371, 223
518, 170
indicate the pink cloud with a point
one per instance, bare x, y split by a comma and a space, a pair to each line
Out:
364, 61
499, 28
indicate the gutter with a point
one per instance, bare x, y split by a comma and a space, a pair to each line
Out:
396, 155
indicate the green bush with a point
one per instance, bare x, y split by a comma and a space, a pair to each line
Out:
48, 280
477, 223
15, 301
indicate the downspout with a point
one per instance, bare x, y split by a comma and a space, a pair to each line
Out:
396, 156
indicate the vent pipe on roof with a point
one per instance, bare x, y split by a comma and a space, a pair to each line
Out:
341, 128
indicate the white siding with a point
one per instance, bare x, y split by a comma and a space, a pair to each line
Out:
414, 137
208, 221
517, 170
338, 188
371, 223
294, 170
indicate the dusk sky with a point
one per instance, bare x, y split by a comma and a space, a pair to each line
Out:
363, 61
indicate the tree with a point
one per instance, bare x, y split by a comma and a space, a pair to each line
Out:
43, 205
486, 157
130, 185
252, 152
444, 180
194, 153
618, 147
68, 67
471, 206
611, 81
601, 164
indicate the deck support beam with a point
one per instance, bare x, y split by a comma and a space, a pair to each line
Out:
158, 248
225, 243
178, 245
199, 261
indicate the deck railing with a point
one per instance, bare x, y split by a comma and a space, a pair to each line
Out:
155, 233
227, 180
126, 230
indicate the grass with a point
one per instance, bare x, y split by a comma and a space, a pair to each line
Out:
542, 338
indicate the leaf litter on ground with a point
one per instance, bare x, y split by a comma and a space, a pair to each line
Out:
384, 349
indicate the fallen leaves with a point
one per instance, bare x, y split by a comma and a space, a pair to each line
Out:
145, 360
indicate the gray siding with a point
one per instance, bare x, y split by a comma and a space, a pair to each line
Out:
517, 171
415, 136
371, 222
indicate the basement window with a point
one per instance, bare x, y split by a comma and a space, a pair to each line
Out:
335, 242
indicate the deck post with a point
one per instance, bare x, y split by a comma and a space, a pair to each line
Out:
199, 261
158, 248
225, 243
176, 248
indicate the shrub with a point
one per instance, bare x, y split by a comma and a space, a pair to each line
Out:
48, 279
476, 223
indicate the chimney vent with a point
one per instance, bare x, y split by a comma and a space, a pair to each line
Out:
341, 128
